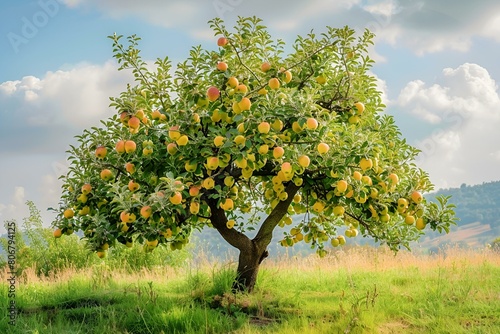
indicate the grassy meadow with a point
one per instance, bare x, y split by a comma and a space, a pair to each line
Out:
354, 290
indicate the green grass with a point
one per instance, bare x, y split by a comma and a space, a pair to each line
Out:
354, 291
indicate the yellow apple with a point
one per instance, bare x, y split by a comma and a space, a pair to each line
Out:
130, 167
68, 213
277, 125
278, 152
134, 122
120, 146
312, 123
274, 83
288, 76
304, 161
212, 163
208, 183
365, 164
174, 133
194, 191
338, 210
194, 208
296, 127
321, 79
130, 146
245, 104
106, 175
239, 140
190, 167
182, 140
342, 186
172, 148
57, 233
409, 220
323, 148
393, 178
232, 82
227, 204
241, 88
264, 127
219, 141
176, 198
420, 223
360, 107
263, 149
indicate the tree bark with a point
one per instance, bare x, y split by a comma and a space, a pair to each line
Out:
248, 267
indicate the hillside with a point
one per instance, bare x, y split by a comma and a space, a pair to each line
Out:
478, 208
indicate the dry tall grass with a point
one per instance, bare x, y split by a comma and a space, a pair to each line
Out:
356, 259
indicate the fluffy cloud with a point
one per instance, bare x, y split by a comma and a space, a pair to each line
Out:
438, 25
463, 107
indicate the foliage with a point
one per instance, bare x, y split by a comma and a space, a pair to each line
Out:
243, 137
37, 248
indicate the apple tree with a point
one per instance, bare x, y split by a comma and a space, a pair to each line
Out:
241, 137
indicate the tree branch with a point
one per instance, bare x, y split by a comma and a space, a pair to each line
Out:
218, 219
265, 234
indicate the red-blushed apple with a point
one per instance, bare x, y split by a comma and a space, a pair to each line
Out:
213, 93
222, 41
265, 66
172, 148
146, 212
101, 152
133, 186
222, 66
134, 122
278, 152
120, 146
86, 189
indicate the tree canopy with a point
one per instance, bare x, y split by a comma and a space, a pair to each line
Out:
242, 137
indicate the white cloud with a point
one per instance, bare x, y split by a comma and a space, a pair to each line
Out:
40, 117
424, 26
464, 104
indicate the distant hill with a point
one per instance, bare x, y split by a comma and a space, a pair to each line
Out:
478, 208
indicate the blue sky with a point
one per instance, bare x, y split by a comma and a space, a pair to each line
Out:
437, 63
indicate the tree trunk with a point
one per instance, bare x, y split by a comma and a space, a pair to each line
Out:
248, 267
252, 252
